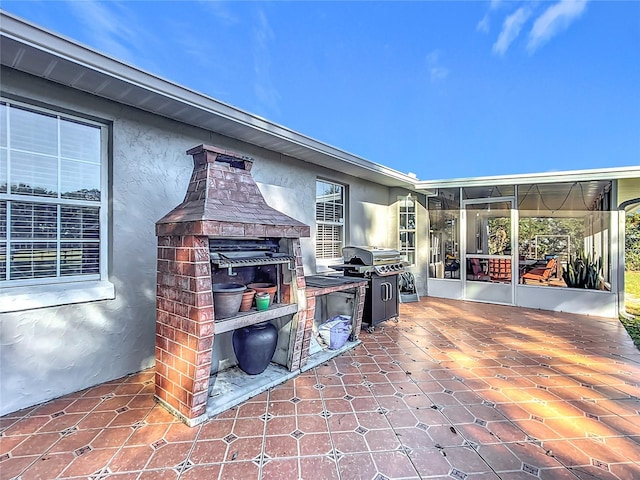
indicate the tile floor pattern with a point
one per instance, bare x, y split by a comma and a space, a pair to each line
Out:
454, 390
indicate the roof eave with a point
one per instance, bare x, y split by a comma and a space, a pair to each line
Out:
262, 132
521, 179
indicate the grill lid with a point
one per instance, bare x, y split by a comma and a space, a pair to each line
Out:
369, 255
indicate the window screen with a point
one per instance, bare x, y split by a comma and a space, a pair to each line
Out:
329, 219
50, 196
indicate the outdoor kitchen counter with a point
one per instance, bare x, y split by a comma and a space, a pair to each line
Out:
326, 295
325, 284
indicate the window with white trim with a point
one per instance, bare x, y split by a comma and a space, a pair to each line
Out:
330, 208
407, 228
52, 205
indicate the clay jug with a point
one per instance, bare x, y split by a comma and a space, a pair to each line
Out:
254, 346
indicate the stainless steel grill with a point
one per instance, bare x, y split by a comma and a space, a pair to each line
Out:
366, 261
381, 266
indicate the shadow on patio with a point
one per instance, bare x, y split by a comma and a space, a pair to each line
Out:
454, 390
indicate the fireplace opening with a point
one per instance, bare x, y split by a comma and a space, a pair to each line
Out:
251, 261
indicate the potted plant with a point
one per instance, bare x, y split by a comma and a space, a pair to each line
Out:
583, 271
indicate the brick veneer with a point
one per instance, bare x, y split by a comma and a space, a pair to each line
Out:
222, 201
184, 324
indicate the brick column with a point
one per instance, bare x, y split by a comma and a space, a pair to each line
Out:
184, 325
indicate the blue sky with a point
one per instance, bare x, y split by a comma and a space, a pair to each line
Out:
441, 89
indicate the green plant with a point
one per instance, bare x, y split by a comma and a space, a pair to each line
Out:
583, 271
632, 242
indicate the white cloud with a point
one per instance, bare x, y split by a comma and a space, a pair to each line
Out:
483, 25
111, 27
220, 11
436, 71
556, 18
510, 30
264, 89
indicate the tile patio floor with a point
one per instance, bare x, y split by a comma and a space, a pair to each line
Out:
454, 390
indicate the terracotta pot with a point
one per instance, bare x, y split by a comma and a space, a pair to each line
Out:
247, 300
270, 288
286, 293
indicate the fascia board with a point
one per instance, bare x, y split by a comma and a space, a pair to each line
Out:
520, 179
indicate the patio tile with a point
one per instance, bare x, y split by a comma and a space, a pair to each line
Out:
179, 432
279, 469
506, 431
249, 427
312, 443
319, 468
72, 440
239, 471
26, 426
131, 458
12, 467
397, 419
35, 444
349, 442
476, 392
244, 449
48, 466
97, 420
380, 440
111, 437
281, 446
146, 434
311, 423
169, 455
208, 451
199, 472
158, 414
89, 462
151, 475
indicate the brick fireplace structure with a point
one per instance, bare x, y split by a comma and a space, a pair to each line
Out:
222, 202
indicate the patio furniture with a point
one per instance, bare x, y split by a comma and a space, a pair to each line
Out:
500, 269
475, 271
451, 268
540, 275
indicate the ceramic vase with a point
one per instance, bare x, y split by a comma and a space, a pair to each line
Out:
254, 346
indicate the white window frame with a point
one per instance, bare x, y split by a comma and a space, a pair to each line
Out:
402, 249
28, 294
323, 263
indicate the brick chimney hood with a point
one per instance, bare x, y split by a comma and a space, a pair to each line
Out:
224, 200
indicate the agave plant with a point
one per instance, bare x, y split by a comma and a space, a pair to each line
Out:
583, 271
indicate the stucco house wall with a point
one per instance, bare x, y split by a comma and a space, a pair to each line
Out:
52, 351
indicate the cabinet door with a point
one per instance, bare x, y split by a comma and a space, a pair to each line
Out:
377, 304
391, 304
